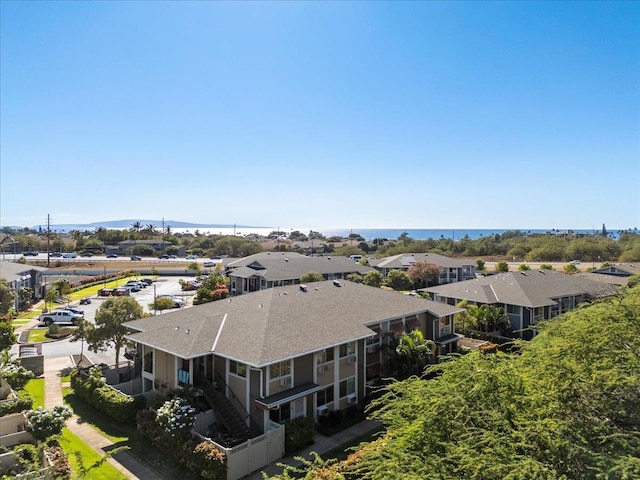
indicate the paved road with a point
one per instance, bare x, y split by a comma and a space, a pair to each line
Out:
65, 348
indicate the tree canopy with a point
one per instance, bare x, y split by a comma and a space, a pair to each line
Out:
109, 328
566, 405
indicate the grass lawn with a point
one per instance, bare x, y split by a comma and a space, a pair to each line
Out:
127, 435
70, 443
36, 388
37, 335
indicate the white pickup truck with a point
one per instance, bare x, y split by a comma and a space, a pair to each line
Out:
60, 316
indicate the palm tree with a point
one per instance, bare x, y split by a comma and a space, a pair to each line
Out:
415, 352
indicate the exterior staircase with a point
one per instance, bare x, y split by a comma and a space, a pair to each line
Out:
226, 413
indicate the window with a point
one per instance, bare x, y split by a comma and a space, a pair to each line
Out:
237, 368
347, 387
297, 408
281, 414
148, 362
281, 369
347, 349
325, 396
325, 356
445, 326
513, 309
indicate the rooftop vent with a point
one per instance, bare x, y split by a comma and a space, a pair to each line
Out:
286, 259
523, 273
337, 283
303, 288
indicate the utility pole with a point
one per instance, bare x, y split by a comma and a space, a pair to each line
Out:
48, 238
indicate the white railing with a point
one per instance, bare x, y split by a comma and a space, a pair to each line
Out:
253, 454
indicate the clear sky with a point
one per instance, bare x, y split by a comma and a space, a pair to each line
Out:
359, 114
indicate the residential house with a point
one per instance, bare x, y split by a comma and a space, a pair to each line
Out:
619, 269
19, 275
284, 352
451, 269
272, 269
526, 297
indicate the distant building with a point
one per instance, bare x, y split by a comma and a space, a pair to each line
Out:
273, 269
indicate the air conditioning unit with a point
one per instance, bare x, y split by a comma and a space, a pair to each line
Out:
351, 359
323, 410
352, 399
323, 368
285, 382
372, 348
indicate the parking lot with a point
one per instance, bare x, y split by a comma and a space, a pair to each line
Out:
169, 285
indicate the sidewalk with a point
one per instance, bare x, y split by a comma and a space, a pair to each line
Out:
122, 461
321, 445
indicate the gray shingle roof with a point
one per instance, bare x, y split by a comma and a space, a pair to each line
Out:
405, 260
287, 267
11, 271
529, 289
271, 325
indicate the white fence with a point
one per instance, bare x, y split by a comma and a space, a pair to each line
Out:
253, 454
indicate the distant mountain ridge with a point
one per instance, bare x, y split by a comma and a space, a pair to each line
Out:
127, 223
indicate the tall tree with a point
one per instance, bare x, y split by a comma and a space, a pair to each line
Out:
7, 297
398, 280
566, 406
109, 329
423, 274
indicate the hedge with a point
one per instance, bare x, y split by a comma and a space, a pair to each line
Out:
94, 391
23, 401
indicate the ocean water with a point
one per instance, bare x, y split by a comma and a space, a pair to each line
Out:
373, 233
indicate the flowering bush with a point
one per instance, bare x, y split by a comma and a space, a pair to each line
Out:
46, 423
176, 416
16, 375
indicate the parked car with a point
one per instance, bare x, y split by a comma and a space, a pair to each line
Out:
575, 262
136, 258
164, 257
86, 254
55, 254
112, 255
120, 292
29, 254
70, 255
137, 284
209, 264
173, 257
147, 281
192, 257
85, 301
71, 309
60, 316
177, 302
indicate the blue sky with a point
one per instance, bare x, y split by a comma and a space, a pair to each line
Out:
321, 114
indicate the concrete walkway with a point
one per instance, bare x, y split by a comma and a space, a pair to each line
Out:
321, 446
132, 468
125, 463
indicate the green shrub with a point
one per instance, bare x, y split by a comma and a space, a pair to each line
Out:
43, 424
298, 434
94, 391
116, 405
206, 462
23, 401
16, 375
